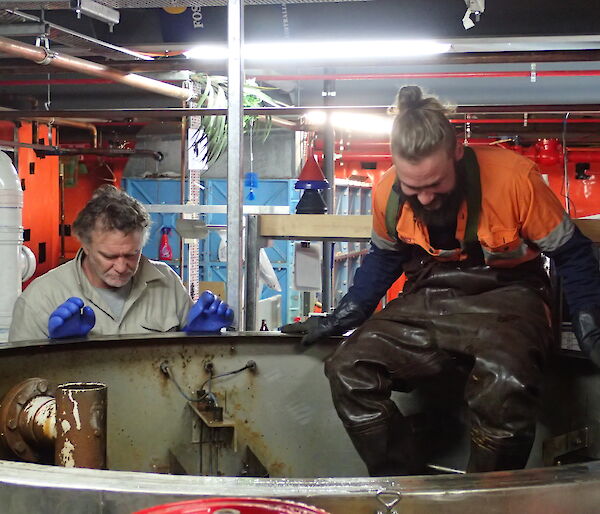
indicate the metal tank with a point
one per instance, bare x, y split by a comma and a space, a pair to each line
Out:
250, 414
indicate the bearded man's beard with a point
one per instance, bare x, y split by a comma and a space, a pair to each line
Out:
449, 203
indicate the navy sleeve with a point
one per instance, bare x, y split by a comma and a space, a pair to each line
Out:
378, 271
578, 268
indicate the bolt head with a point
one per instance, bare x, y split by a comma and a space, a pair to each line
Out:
20, 446
42, 386
12, 423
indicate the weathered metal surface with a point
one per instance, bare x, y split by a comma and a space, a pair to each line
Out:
284, 416
38, 422
283, 411
81, 425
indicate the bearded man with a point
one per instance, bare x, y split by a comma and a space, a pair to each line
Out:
467, 226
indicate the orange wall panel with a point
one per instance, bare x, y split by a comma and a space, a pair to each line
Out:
39, 176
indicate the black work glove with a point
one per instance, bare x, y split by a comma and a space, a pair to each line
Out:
586, 325
346, 316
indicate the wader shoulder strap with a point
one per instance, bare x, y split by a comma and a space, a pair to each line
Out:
471, 244
392, 210
473, 181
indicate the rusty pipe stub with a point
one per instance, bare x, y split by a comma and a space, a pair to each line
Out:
37, 422
27, 420
81, 425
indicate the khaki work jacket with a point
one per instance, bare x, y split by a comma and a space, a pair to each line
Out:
157, 302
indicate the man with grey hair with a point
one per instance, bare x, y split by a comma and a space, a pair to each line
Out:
110, 287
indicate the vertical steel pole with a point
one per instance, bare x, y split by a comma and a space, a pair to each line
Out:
184, 172
252, 262
235, 37
329, 196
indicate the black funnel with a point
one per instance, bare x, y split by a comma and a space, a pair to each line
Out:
311, 202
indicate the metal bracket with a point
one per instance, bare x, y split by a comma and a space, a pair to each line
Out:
565, 443
47, 59
213, 418
96, 10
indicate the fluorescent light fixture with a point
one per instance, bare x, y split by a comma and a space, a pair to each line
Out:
353, 122
324, 50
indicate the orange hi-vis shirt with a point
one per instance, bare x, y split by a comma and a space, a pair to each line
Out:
519, 218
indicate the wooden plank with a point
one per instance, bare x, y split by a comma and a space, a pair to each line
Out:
590, 228
308, 227
350, 228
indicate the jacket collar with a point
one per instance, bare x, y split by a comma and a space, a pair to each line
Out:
145, 274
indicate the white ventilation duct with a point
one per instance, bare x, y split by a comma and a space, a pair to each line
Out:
18, 262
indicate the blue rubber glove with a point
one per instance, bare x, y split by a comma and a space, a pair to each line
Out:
208, 314
71, 319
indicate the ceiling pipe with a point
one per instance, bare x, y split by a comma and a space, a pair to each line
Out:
172, 113
343, 76
432, 75
90, 127
44, 56
106, 152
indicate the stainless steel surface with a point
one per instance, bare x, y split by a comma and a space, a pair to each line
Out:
573, 489
43, 56
235, 187
252, 262
81, 425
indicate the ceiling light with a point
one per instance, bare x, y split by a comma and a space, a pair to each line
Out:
352, 122
350, 50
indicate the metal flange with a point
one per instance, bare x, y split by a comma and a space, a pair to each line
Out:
12, 436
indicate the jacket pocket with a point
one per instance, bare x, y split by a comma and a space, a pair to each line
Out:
503, 244
167, 324
501, 240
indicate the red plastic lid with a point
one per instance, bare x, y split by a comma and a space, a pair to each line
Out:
233, 506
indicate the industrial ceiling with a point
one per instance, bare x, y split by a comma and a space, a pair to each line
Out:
518, 53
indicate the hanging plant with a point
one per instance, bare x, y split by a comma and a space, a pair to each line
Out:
212, 93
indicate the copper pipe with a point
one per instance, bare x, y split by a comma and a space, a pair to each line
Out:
81, 426
109, 152
44, 56
90, 127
